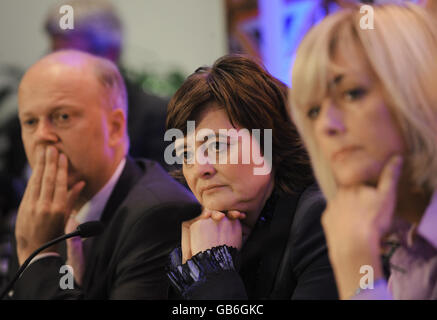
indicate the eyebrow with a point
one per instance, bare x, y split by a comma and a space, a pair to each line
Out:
25, 114
51, 110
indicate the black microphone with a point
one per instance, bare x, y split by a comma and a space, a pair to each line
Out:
89, 229
84, 230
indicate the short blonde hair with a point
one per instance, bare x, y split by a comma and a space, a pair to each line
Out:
401, 51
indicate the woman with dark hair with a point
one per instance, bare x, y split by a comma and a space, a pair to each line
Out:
259, 235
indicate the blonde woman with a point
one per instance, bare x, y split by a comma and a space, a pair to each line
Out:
365, 103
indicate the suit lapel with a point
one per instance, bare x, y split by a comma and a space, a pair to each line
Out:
279, 232
272, 239
129, 177
132, 172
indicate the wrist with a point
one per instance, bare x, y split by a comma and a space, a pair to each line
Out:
200, 266
355, 245
24, 254
378, 290
352, 268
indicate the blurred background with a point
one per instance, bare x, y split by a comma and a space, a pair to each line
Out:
160, 36
156, 43
164, 37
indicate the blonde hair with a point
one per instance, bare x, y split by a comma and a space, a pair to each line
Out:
401, 51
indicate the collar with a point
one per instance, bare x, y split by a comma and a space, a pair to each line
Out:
93, 209
428, 224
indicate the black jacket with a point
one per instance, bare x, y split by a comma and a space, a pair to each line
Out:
142, 224
285, 257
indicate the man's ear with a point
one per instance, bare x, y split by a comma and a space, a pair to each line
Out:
117, 126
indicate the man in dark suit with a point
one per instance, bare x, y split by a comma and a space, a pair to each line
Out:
73, 110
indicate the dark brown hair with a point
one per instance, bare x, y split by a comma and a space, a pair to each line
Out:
252, 99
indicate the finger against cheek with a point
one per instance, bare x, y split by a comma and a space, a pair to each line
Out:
49, 176
387, 186
388, 190
34, 184
60, 196
390, 175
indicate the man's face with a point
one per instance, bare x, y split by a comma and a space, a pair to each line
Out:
64, 106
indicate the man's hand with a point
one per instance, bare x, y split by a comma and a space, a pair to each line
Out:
354, 223
46, 204
211, 229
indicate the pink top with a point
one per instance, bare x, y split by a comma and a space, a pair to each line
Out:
413, 264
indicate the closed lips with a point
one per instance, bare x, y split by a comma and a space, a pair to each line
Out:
344, 151
210, 187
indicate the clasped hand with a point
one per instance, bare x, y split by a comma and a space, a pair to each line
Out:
211, 229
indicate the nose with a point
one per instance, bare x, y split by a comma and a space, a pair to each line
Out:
330, 122
204, 167
45, 132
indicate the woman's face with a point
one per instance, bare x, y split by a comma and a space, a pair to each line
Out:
223, 186
353, 125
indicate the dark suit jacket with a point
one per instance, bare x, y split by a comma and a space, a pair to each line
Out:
286, 258
142, 221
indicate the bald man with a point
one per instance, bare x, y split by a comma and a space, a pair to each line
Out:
73, 110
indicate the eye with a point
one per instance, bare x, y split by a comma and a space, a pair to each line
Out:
30, 122
313, 112
219, 146
354, 94
187, 156
62, 117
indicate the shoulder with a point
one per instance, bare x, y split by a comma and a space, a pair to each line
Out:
310, 206
305, 270
153, 209
304, 208
158, 186
156, 195
307, 235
